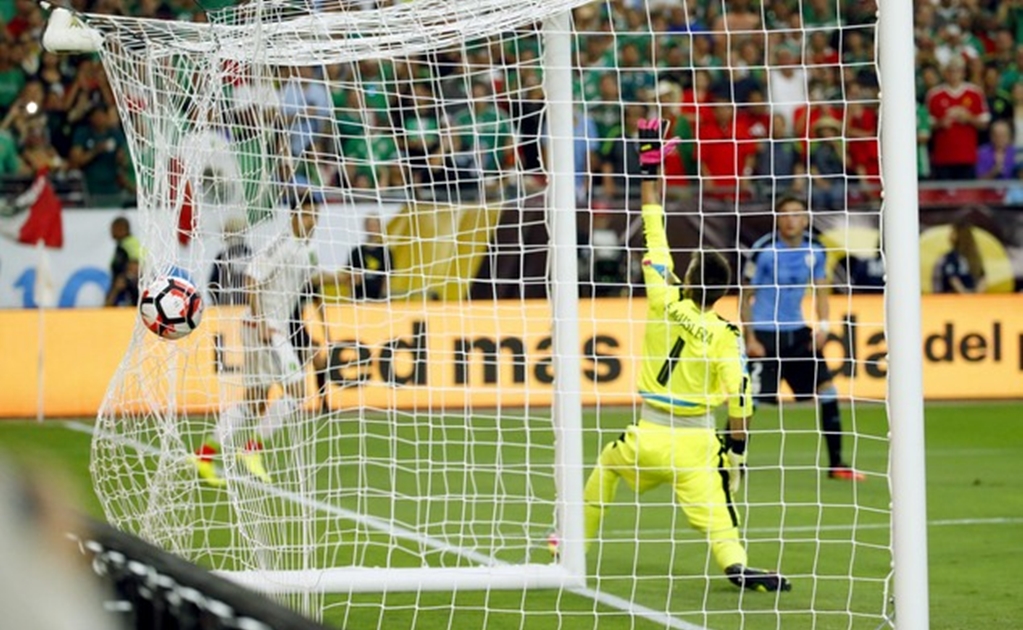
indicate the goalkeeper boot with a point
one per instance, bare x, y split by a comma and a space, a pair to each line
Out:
204, 465
846, 473
757, 579
253, 461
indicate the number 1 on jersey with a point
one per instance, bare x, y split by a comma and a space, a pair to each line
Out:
669, 364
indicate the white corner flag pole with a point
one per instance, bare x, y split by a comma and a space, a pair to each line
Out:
43, 292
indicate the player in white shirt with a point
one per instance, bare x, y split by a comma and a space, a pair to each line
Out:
275, 279
274, 282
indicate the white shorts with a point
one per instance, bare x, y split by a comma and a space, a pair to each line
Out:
269, 363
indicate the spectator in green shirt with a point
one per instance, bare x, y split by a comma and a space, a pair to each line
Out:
372, 75
25, 111
1010, 14
636, 80
608, 113
94, 151
486, 131
10, 163
371, 160
348, 115
12, 78
7, 10
421, 129
923, 137
1014, 72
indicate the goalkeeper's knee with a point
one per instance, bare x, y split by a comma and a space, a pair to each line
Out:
612, 454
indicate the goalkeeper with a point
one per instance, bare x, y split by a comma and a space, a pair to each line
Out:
693, 361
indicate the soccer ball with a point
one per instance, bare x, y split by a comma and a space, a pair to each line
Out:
171, 307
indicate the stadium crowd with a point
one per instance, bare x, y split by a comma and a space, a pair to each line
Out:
774, 93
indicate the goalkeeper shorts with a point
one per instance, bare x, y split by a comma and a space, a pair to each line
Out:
689, 459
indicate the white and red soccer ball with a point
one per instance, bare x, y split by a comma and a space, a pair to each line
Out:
171, 307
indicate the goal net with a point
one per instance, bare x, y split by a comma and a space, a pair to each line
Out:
417, 232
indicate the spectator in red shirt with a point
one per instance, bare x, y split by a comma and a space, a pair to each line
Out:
805, 116
24, 18
958, 110
727, 150
680, 165
861, 132
821, 53
693, 98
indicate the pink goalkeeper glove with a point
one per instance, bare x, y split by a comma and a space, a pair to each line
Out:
652, 148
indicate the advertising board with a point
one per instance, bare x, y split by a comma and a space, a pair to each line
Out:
446, 356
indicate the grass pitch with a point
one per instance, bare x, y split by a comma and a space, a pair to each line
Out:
830, 537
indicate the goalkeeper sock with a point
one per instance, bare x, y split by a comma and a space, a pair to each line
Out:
726, 548
600, 490
593, 516
831, 427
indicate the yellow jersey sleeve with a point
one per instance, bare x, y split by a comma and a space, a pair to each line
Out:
658, 265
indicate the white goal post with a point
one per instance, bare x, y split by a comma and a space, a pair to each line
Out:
902, 246
438, 460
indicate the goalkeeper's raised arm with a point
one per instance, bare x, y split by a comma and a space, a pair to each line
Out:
692, 362
658, 265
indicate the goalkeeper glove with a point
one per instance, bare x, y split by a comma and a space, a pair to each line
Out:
735, 453
652, 148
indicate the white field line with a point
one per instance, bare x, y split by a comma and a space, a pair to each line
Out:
395, 531
643, 532
661, 619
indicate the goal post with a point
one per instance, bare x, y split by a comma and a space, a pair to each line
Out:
565, 291
902, 247
457, 380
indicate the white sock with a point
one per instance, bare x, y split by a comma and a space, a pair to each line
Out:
277, 414
231, 420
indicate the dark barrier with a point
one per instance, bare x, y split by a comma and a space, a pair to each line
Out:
157, 590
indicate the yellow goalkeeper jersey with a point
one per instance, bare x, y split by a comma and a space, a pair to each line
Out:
692, 360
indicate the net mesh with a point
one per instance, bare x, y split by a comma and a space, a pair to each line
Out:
230, 125
431, 443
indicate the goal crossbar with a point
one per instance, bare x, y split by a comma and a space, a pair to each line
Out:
305, 39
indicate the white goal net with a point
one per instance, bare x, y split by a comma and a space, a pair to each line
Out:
406, 366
